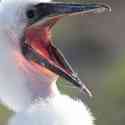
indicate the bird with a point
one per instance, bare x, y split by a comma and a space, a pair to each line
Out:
30, 63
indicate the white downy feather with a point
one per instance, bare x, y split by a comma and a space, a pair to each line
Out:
59, 110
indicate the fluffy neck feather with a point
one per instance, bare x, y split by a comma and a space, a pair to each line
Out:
58, 110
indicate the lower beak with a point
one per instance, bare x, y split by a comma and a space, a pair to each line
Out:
38, 45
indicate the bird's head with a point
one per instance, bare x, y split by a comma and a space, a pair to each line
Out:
26, 39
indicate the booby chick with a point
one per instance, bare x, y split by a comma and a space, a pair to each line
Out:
30, 64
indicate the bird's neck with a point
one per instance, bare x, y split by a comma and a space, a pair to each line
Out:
40, 81
44, 89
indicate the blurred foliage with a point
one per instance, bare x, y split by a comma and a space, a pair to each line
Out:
4, 115
109, 106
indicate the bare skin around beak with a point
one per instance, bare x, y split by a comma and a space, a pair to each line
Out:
38, 46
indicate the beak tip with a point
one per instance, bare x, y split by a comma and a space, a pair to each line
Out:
100, 8
105, 7
85, 90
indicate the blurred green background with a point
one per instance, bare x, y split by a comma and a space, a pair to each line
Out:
94, 44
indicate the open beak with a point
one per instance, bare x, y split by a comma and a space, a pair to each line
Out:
38, 46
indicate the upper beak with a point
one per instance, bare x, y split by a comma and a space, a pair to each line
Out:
41, 19
48, 10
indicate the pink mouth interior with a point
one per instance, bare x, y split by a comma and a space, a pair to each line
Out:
40, 39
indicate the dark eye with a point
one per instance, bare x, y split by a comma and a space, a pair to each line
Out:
31, 14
